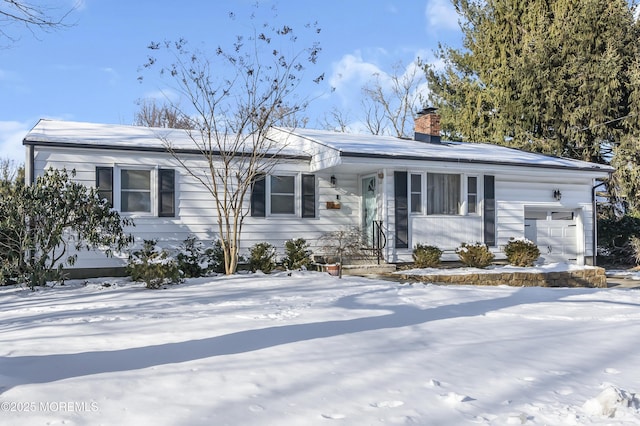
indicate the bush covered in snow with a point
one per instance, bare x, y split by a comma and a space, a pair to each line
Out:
196, 261
262, 257
426, 256
521, 252
296, 254
476, 255
152, 266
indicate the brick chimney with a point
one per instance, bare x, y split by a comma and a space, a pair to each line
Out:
427, 126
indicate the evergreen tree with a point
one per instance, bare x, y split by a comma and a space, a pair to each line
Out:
551, 76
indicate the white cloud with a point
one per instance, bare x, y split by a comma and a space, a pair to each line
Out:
163, 96
441, 15
11, 135
350, 73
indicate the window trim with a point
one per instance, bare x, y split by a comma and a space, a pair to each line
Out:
305, 196
155, 173
463, 202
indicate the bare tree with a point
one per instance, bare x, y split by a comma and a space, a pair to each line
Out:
336, 120
235, 96
151, 114
391, 101
31, 15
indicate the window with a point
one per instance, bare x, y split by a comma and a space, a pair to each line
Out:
286, 195
135, 191
443, 194
472, 195
283, 195
145, 191
166, 193
104, 183
416, 193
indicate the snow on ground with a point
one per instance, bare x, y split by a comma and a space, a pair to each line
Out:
311, 349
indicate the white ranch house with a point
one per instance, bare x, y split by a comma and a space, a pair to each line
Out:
400, 192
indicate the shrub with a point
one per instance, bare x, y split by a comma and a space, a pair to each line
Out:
475, 255
51, 220
190, 258
153, 267
261, 257
425, 256
296, 254
521, 252
214, 258
614, 238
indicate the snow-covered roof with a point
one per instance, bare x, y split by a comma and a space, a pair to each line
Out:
303, 143
360, 145
124, 137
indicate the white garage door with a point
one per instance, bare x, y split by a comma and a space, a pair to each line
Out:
555, 234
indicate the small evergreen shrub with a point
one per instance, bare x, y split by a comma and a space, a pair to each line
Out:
214, 258
425, 256
521, 252
152, 266
261, 257
296, 254
190, 258
475, 255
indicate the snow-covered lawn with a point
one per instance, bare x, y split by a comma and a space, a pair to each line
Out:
311, 349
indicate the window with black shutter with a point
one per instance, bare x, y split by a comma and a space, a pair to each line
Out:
489, 211
166, 193
258, 197
308, 196
401, 210
104, 183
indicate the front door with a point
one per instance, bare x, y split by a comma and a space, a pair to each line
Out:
369, 208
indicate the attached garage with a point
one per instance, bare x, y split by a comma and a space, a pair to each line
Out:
555, 232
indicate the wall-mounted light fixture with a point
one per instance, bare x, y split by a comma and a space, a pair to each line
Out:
333, 180
557, 195
380, 175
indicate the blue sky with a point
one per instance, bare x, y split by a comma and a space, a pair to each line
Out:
89, 72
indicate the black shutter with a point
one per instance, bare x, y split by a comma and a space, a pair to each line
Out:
166, 193
104, 183
401, 209
308, 196
258, 196
489, 211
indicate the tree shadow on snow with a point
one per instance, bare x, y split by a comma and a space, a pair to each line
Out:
49, 368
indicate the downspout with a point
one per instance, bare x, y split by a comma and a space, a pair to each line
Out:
594, 223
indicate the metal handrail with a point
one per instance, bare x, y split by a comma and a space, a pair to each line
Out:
379, 239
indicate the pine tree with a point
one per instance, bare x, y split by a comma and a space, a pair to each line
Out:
547, 76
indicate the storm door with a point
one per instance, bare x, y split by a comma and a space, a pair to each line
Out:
369, 208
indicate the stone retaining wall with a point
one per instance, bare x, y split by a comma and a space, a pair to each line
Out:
592, 277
